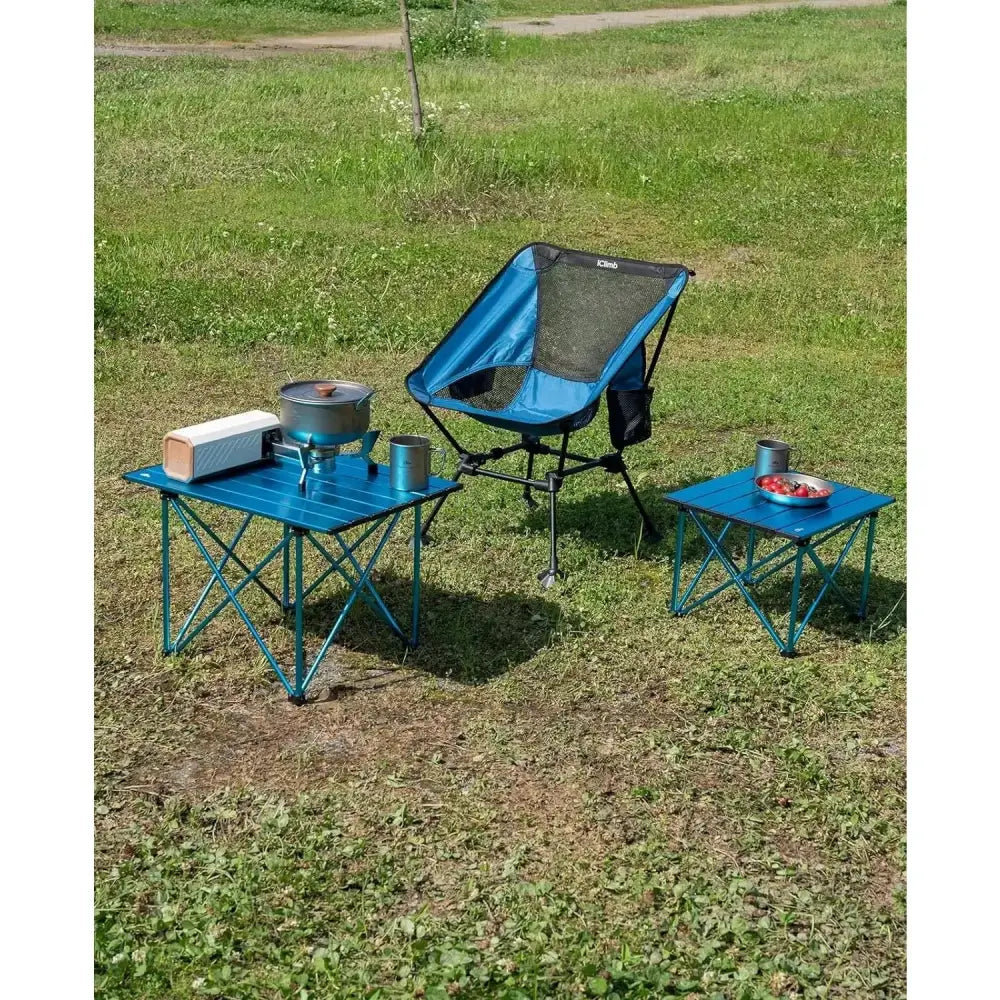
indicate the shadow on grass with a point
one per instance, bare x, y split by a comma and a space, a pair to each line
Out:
885, 620
464, 636
886, 615
609, 519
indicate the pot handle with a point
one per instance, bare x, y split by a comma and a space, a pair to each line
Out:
364, 399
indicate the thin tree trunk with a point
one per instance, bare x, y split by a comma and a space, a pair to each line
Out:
454, 10
411, 72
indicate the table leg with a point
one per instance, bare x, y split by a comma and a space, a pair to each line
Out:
165, 567
866, 579
789, 648
678, 553
284, 569
415, 626
293, 589
774, 561
357, 588
299, 694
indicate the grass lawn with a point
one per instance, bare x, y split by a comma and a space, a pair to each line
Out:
201, 20
566, 792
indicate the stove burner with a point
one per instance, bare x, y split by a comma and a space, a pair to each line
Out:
311, 457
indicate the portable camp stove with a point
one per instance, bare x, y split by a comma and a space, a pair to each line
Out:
318, 458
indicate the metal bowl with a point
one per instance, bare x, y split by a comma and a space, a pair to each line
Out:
799, 477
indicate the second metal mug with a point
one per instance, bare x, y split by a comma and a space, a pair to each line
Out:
772, 457
410, 462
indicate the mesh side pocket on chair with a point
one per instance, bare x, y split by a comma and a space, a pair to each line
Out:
629, 415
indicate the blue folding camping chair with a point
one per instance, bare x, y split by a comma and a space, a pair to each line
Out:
550, 333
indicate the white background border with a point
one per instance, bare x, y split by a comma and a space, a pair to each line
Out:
46, 833
954, 232
952, 426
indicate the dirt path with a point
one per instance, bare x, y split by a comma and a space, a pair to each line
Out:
556, 24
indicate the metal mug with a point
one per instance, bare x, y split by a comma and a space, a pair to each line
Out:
772, 457
410, 462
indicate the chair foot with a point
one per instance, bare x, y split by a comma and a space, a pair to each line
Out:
549, 576
297, 699
529, 501
789, 654
653, 537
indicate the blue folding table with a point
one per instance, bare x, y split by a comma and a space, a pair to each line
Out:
735, 499
343, 494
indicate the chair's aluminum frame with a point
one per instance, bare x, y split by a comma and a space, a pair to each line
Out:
470, 463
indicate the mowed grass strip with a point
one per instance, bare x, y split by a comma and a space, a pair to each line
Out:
561, 793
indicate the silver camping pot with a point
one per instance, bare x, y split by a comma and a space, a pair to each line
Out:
410, 462
772, 457
324, 414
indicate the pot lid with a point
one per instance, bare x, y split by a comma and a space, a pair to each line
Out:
325, 391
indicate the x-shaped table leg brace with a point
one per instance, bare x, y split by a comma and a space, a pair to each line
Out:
360, 587
369, 594
360, 583
681, 604
186, 516
184, 636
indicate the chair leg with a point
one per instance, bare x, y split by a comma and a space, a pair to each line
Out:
549, 576
424, 538
650, 529
529, 501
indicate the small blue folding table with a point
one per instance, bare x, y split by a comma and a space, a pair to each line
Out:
735, 499
343, 494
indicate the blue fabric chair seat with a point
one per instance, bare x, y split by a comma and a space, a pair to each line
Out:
525, 413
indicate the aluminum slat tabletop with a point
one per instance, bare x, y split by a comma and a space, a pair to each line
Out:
736, 498
344, 496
